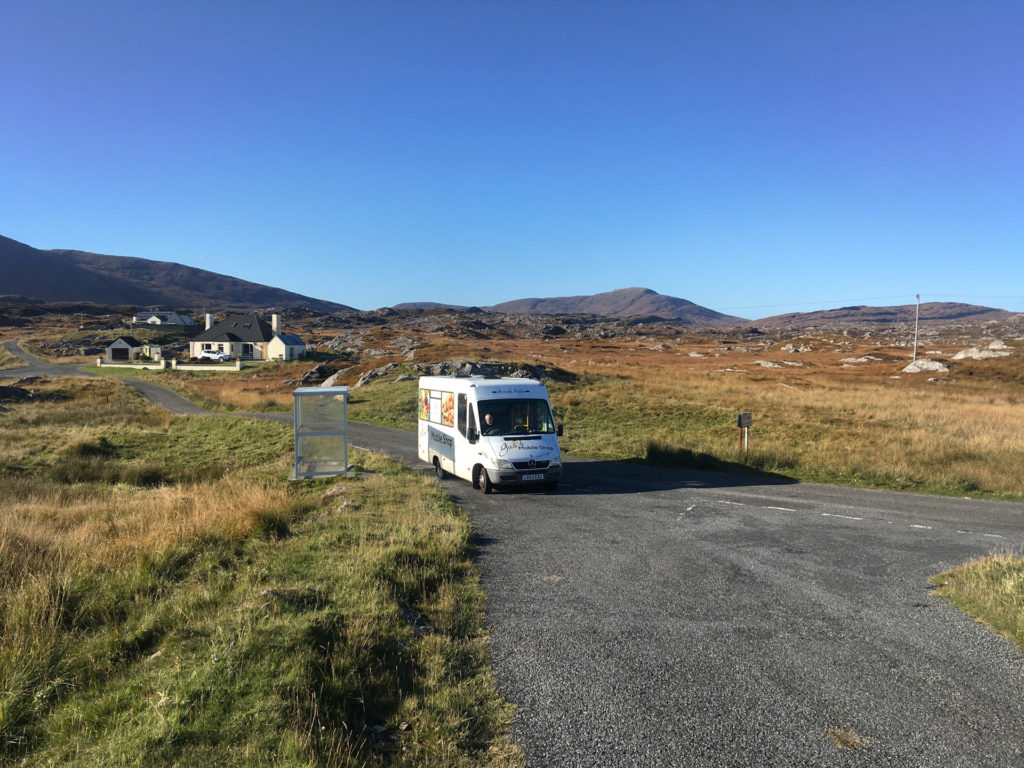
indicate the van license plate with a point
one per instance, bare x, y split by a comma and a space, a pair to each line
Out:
533, 477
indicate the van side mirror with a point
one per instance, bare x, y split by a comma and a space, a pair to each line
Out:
558, 430
472, 435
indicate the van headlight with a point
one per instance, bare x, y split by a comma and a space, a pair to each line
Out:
555, 463
504, 464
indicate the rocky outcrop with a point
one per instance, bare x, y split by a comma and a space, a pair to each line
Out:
926, 364
993, 350
468, 368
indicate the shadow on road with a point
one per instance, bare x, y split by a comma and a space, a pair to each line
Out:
588, 477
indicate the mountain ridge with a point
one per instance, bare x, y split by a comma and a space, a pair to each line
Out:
64, 275
902, 313
624, 302
72, 275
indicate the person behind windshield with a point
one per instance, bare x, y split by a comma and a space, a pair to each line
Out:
490, 426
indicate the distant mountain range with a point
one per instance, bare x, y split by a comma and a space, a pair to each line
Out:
625, 302
63, 276
643, 302
60, 275
930, 311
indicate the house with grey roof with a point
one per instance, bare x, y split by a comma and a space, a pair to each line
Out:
123, 349
162, 318
248, 337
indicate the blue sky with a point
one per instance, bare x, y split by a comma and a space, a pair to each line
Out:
753, 157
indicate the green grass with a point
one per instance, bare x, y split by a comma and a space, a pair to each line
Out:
328, 622
174, 380
991, 589
388, 404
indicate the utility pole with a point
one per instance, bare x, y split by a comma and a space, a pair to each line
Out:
917, 320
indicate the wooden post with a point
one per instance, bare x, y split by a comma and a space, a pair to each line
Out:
743, 421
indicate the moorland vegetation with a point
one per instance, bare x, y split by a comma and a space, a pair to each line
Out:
166, 597
164, 589
817, 416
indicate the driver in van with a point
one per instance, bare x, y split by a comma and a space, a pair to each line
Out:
490, 425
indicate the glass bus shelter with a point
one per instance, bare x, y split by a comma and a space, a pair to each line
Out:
321, 432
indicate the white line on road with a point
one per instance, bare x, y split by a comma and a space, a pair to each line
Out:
734, 503
782, 509
925, 527
845, 517
979, 533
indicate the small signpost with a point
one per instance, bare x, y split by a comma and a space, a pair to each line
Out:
743, 421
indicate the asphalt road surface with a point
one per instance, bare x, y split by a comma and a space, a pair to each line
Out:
652, 617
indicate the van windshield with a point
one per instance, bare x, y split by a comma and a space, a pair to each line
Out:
516, 417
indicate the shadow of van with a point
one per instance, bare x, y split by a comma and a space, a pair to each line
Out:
595, 476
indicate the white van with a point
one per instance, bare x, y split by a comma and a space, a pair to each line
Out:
492, 432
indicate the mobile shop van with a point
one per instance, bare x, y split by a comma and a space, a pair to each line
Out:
492, 432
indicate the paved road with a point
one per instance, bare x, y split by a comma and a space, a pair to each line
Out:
35, 366
651, 617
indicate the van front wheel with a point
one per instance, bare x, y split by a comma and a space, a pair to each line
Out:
482, 480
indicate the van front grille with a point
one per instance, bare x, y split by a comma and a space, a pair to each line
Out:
527, 465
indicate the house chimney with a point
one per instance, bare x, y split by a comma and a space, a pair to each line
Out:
209, 321
275, 323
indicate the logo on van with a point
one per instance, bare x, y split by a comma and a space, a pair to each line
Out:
441, 438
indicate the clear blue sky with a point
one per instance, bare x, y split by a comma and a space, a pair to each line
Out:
753, 157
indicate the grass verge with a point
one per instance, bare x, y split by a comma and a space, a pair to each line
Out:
8, 360
258, 388
217, 614
991, 589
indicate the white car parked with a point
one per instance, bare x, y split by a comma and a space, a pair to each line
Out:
215, 355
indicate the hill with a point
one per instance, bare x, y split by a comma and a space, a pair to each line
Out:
935, 311
427, 305
625, 302
67, 275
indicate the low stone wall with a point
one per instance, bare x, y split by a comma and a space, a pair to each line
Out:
237, 365
157, 366
173, 365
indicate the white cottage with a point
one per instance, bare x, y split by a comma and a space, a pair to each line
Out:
248, 337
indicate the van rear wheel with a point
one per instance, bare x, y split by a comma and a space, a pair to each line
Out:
441, 474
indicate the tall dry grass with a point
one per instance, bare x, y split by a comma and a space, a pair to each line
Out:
82, 532
888, 432
104, 524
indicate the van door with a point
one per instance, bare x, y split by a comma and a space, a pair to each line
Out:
465, 422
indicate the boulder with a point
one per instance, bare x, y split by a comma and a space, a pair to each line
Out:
973, 353
376, 373
332, 380
926, 364
316, 373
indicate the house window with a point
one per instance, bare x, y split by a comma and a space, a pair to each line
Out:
247, 350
